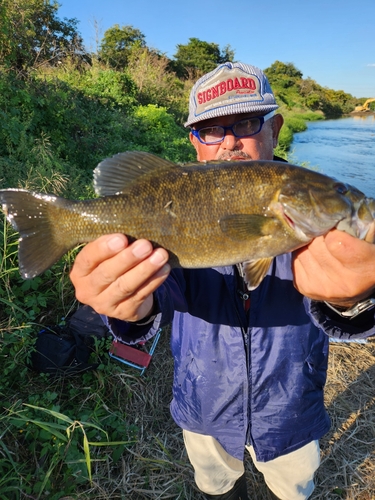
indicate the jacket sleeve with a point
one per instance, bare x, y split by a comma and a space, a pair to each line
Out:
168, 297
334, 325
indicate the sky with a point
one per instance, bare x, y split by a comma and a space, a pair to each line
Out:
330, 41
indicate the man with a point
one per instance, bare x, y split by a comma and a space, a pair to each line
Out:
246, 375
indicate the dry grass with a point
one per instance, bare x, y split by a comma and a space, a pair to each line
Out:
348, 450
157, 466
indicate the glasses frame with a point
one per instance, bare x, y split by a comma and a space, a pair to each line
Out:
262, 119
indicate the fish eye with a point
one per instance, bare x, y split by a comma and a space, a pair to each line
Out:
341, 188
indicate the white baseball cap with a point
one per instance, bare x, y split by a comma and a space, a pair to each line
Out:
230, 89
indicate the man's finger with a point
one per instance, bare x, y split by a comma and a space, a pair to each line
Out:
96, 252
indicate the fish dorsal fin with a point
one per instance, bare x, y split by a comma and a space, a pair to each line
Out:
254, 271
244, 227
113, 175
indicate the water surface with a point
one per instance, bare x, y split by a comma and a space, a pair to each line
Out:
343, 148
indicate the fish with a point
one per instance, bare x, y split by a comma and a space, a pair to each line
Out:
205, 214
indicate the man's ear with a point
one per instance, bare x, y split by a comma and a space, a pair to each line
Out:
193, 139
277, 123
195, 143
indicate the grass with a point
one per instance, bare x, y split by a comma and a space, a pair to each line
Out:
155, 466
348, 451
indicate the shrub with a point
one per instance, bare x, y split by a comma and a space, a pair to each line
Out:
156, 131
285, 138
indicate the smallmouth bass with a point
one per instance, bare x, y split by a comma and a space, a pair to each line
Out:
204, 214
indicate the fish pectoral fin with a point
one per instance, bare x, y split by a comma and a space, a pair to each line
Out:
244, 227
255, 271
113, 175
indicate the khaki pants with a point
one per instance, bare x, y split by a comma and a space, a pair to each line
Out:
289, 477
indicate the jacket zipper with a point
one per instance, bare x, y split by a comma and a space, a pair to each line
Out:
245, 297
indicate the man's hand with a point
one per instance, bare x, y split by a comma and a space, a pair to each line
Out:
117, 278
337, 268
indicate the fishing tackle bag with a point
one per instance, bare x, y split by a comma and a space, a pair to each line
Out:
65, 350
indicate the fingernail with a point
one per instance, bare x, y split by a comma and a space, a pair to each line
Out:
141, 249
116, 243
158, 257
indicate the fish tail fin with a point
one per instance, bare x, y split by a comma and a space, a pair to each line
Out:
39, 220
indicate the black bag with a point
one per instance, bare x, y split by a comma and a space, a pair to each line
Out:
63, 350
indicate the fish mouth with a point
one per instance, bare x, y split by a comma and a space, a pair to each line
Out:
289, 220
302, 229
292, 219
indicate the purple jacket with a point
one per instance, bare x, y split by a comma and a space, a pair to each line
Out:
246, 379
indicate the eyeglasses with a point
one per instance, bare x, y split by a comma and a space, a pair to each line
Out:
243, 128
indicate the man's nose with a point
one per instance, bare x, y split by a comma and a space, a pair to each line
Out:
230, 141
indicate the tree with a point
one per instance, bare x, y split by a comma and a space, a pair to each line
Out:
283, 75
31, 34
280, 68
118, 43
331, 102
199, 57
308, 86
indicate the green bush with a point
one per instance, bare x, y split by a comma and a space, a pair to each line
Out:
285, 138
295, 123
50, 128
311, 116
155, 130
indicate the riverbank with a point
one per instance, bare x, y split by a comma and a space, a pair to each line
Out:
294, 122
362, 113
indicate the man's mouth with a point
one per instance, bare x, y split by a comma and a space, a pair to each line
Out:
234, 157
238, 158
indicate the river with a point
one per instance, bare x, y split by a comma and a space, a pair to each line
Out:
343, 148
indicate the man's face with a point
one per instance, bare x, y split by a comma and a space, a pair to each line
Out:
256, 147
